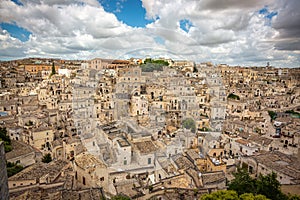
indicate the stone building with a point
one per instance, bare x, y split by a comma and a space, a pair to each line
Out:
217, 101
144, 153
90, 171
36, 68
285, 166
42, 138
38, 173
22, 154
99, 63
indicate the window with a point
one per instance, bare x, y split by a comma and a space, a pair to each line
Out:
149, 161
83, 180
125, 162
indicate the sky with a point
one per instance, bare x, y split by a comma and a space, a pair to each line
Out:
234, 32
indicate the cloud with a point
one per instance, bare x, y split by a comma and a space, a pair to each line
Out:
65, 28
232, 4
287, 22
234, 29
60, 2
10, 47
221, 31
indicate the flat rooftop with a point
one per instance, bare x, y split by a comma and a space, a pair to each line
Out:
87, 161
145, 147
123, 142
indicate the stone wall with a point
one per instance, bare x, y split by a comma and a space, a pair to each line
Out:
3, 174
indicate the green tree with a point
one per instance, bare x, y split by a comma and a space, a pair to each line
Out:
47, 158
250, 196
7, 147
147, 60
221, 195
270, 187
233, 96
232, 195
5, 138
293, 113
3, 134
189, 123
272, 114
242, 182
294, 197
267, 185
53, 69
13, 168
160, 62
195, 70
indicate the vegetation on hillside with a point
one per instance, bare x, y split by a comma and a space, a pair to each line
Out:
160, 62
232, 195
53, 70
189, 123
5, 138
205, 129
233, 96
272, 114
293, 113
150, 65
13, 168
47, 158
266, 185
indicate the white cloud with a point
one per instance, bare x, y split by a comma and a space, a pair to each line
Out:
223, 31
288, 24
10, 47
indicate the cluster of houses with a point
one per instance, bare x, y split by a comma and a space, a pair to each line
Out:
112, 128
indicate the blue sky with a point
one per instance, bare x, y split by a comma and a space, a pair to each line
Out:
16, 31
247, 33
131, 12
269, 15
